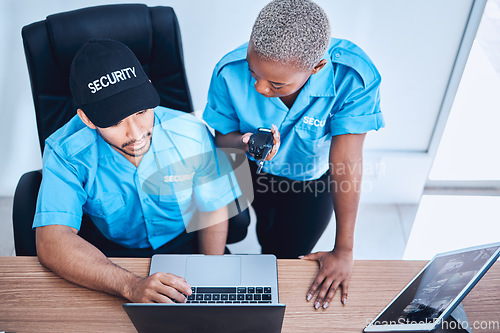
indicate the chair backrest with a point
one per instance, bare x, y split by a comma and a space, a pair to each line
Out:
152, 33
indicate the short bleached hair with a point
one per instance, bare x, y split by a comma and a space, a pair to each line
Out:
293, 32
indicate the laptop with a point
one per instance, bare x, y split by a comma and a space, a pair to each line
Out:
431, 301
231, 293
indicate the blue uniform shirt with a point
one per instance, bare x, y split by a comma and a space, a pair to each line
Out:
138, 207
342, 98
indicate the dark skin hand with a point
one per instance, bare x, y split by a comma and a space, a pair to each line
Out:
276, 142
335, 267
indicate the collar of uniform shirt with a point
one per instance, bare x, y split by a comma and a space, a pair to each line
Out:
160, 140
321, 83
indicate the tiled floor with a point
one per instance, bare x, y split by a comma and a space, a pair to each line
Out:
381, 232
440, 223
450, 222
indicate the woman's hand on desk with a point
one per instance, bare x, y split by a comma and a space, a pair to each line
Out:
159, 288
335, 269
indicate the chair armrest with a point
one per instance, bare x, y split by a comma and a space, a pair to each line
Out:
238, 227
23, 212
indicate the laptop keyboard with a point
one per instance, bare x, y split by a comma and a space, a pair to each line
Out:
231, 295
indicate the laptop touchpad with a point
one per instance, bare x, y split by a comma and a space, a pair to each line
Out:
213, 271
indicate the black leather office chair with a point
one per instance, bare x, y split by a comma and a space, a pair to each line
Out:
152, 33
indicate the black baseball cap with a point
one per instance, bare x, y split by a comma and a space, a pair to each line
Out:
108, 83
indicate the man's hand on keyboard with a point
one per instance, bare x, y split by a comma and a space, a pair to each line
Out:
159, 288
233, 295
335, 269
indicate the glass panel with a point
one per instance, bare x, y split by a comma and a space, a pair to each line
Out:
470, 146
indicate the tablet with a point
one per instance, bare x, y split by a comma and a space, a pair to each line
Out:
436, 291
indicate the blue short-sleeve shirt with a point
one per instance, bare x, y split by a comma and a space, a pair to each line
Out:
138, 207
342, 98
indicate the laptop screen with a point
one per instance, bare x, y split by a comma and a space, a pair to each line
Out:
436, 287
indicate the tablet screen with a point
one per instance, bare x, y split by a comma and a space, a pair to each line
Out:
425, 299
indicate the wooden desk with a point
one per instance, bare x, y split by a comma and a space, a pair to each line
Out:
33, 299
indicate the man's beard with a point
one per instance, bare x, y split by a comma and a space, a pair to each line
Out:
146, 136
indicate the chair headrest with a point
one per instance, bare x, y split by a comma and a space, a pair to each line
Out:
129, 24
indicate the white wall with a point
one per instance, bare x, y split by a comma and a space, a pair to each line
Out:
413, 43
